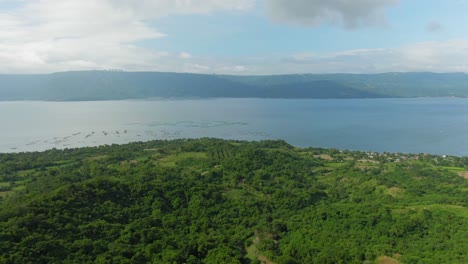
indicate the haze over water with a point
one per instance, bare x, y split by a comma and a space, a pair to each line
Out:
437, 126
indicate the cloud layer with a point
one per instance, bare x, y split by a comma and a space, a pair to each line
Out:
43, 36
152, 9
445, 56
349, 14
58, 35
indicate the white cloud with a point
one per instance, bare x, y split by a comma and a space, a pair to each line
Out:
185, 55
151, 9
347, 13
58, 35
239, 68
444, 56
196, 68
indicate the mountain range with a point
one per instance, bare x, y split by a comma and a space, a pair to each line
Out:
117, 85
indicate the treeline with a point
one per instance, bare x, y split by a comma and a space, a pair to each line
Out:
217, 201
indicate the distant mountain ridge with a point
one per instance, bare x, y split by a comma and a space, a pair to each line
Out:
114, 85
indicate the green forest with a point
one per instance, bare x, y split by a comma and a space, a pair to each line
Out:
116, 85
222, 201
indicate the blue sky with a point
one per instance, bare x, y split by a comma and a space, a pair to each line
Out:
234, 36
253, 33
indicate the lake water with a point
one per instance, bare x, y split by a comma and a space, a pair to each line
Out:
438, 126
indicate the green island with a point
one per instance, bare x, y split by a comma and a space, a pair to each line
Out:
221, 201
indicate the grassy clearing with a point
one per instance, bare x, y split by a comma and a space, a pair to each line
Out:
335, 164
24, 173
253, 253
396, 192
386, 260
19, 188
453, 169
98, 157
453, 209
460, 171
366, 165
463, 174
323, 156
173, 160
5, 194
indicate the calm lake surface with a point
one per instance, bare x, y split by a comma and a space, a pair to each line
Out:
438, 126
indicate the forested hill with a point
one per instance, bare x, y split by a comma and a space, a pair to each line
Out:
217, 201
112, 85
409, 84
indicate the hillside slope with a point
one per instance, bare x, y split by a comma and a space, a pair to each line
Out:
109, 85
410, 84
217, 201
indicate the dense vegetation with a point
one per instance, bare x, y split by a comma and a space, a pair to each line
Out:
217, 201
111, 85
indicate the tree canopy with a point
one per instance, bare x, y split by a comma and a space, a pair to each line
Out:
220, 201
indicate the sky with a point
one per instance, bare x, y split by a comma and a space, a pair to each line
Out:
241, 37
